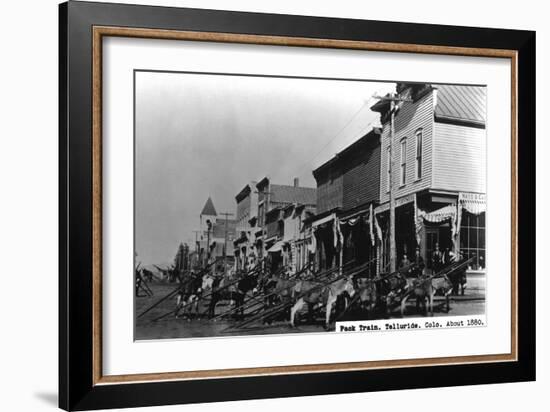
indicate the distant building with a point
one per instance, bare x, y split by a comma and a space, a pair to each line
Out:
223, 235
216, 235
208, 214
246, 211
438, 171
266, 205
297, 236
272, 198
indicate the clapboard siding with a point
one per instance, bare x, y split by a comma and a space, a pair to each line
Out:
352, 177
329, 192
459, 158
411, 117
243, 214
362, 177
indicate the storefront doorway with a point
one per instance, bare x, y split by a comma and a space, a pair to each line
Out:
405, 240
436, 234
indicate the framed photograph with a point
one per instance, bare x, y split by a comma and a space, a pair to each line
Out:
256, 205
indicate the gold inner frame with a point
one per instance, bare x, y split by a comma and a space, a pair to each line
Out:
100, 31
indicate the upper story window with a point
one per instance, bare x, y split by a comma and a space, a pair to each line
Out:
280, 229
261, 214
403, 162
418, 160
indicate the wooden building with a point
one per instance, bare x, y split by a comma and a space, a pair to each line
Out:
437, 171
298, 234
287, 237
245, 217
271, 207
348, 189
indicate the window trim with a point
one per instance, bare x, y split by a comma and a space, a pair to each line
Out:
417, 162
403, 162
478, 228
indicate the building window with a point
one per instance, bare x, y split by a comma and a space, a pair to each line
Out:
261, 215
418, 167
388, 169
403, 168
472, 239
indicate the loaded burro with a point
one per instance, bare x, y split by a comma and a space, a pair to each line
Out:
394, 227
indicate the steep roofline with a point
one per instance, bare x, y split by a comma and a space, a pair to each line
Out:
208, 208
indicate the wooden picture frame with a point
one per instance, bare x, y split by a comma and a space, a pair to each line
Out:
82, 385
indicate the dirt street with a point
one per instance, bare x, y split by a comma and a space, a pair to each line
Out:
170, 327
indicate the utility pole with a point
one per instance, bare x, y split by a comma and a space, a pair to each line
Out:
225, 242
392, 98
208, 229
196, 232
393, 251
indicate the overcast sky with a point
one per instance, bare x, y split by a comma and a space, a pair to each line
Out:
208, 135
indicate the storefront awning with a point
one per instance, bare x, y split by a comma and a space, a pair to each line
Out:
352, 217
323, 220
439, 215
277, 247
448, 212
473, 206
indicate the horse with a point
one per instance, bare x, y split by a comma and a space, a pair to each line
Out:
458, 280
389, 288
443, 286
276, 290
229, 289
313, 292
219, 291
422, 289
366, 294
247, 283
189, 296
147, 275
457, 275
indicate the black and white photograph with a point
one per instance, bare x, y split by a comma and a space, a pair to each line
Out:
282, 205
274, 205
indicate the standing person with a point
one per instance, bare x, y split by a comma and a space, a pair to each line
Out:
446, 257
404, 262
419, 265
437, 259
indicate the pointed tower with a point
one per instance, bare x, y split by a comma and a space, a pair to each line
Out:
208, 213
